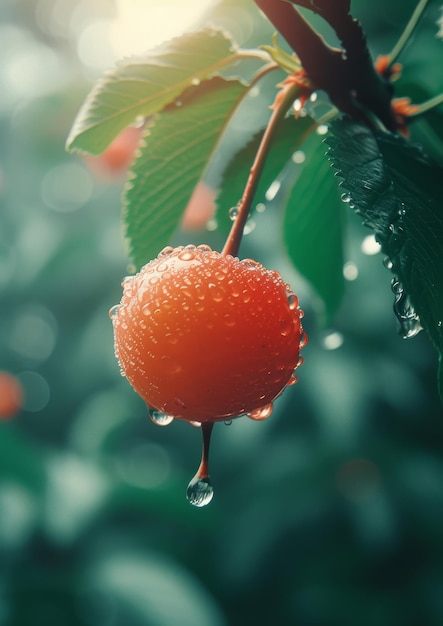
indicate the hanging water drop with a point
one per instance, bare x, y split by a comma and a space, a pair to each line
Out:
261, 413
159, 418
200, 491
228, 422
346, 197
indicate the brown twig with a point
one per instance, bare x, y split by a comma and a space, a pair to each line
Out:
288, 95
348, 74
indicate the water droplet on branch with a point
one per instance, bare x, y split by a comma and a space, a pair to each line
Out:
233, 213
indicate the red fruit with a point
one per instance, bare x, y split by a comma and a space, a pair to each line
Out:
118, 156
204, 337
11, 395
200, 209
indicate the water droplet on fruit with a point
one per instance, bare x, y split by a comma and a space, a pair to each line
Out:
228, 422
286, 326
162, 267
196, 424
178, 103
303, 340
261, 413
186, 255
200, 491
173, 339
293, 380
292, 301
229, 320
146, 310
159, 418
300, 361
217, 294
204, 247
113, 312
165, 252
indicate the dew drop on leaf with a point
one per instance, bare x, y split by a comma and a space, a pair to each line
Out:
408, 321
388, 263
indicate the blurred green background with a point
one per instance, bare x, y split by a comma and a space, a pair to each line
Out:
330, 513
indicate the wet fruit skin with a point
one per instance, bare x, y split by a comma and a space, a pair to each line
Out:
205, 337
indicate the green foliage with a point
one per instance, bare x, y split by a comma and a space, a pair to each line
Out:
398, 192
288, 136
176, 149
329, 513
141, 87
314, 222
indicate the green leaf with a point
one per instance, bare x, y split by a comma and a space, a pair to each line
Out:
140, 87
177, 149
288, 137
398, 190
314, 228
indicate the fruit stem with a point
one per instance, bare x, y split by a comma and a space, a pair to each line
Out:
288, 94
203, 470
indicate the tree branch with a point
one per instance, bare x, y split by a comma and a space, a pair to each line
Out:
348, 75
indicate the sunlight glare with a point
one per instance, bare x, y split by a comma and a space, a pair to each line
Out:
141, 25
